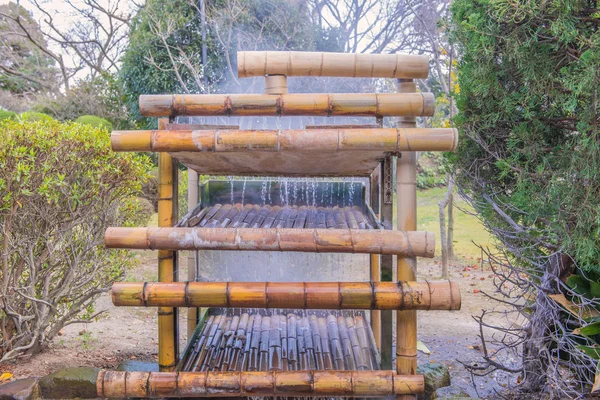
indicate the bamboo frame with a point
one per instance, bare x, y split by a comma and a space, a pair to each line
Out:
406, 188
318, 140
435, 295
300, 63
167, 216
375, 270
281, 104
405, 244
276, 84
123, 384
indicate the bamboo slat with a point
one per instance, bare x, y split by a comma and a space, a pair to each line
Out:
300, 63
167, 259
318, 140
122, 384
406, 177
435, 295
298, 104
414, 243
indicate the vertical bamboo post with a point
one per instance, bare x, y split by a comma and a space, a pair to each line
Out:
375, 258
276, 84
406, 189
192, 313
387, 261
167, 259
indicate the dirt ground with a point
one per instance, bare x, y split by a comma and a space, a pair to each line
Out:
130, 333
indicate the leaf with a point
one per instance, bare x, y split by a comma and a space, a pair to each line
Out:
593, 352
575, 310
596, 386
595, 289
422, 348
5, 376
579, 285
588, 330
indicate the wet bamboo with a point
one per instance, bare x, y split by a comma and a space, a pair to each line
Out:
318, 140
122, 384
273, 105
167, 217
434, 295
405, 244
301, 63
406, 188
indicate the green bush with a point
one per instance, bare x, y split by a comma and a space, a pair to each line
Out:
61, 186
5, 114
94, 121
32, 116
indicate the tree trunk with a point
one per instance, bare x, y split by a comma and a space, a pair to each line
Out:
450, 240
444, 240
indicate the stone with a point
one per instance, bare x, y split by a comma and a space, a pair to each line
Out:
436, 376
21, 389
69, 383
450, 393
137, 366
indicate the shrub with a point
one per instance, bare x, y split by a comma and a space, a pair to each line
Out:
61, 186
94, 121
528, 160
33, 116
5, 114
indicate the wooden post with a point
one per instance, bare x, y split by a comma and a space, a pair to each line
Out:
167, 259
406, 189
192, 313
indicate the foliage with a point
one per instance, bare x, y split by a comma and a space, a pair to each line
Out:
27, 68
528, 157
163, 36
61, 186
430, 170
32, 116
102, 96
4, 114
94, 121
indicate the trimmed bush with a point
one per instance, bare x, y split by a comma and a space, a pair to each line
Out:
32, 116
61, 186
94, 121
5, 114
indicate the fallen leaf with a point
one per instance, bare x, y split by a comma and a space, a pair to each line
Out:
421, 347
475, 290
5, 376
482, 278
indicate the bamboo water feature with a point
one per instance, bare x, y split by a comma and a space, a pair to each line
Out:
275, 345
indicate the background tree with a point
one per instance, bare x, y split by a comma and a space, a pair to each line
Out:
528, 162
27, 70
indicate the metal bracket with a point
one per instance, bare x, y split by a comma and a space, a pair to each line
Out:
388, 188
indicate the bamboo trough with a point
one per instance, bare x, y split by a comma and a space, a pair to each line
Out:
300, 63
374, 241
435, 295
272, 105
122, 384
309, 140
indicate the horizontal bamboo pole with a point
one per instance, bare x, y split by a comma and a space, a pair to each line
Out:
371, 241
122, 384
437, 295
300, 63
309, 104
380, 139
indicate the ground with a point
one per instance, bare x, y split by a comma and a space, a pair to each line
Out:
130, 333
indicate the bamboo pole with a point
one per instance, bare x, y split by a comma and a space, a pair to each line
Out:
319, 140
376, 314
300, 63
123, 384
406, 188
167, 202
317, 240
281, 104
276, 84
435, 295
192, 313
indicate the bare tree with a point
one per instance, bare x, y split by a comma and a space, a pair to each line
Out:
91, 44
